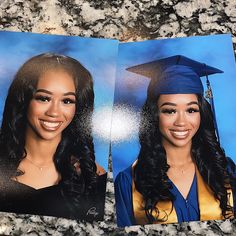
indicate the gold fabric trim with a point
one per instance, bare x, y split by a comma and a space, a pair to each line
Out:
209, 206
166, 209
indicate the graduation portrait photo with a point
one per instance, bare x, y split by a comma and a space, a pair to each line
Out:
174, 160
53, 160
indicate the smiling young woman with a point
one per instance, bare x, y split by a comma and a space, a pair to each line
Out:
46, 146
179, 121
182, 173
50, 111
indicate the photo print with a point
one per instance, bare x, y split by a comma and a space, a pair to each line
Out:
54, 153
173, 153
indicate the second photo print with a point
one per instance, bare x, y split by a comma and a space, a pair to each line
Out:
173, 154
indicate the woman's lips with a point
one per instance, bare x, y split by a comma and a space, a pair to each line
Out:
180, 134
50, 126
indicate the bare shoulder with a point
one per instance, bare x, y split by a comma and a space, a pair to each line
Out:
100, 169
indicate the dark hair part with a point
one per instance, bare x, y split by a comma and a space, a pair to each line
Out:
150, 174
76, 144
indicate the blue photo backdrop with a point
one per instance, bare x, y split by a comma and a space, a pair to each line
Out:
130, 89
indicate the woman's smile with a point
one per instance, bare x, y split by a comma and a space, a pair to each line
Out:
51, 126
180, 134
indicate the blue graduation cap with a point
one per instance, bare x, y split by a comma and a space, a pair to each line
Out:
177, 75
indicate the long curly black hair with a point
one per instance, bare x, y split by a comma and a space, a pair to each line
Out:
76, 144
150, 173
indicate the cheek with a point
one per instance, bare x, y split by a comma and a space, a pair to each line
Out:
35, 110
195, 121
164, 121
69, 113
32, 111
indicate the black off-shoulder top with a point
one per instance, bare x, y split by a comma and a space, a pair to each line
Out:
50, 201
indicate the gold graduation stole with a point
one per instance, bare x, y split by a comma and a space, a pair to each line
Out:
208, 205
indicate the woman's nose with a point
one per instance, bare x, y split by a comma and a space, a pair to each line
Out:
180, 119
54, 109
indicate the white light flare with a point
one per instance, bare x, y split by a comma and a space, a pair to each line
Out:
118, 125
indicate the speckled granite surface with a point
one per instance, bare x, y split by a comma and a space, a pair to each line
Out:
121, 19
126, 20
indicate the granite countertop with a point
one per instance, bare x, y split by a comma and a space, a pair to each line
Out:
121, 19
126, 20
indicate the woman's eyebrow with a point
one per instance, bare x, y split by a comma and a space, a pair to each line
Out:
69, 93
168, 103
43, 91
193, 103
174, 104
49, 92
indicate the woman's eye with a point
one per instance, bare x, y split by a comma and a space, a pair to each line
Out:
192, 110
168, 111
42, 98
68, 101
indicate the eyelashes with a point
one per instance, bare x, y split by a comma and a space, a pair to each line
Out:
68, 101
168, 111
45, 99
42, 98
173, 111
193, 110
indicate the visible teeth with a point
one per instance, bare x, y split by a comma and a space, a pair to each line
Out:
51, 124
180, 133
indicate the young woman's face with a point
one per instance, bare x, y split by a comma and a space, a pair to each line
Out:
179, 118
53, 105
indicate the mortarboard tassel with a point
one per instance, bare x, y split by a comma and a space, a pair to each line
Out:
209, 96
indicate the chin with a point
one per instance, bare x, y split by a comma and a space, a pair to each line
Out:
47, 136
178, 143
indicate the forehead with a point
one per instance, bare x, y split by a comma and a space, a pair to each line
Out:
177, 99
56, 80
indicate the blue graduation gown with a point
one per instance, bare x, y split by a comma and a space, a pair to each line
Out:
186, 209
123, 197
